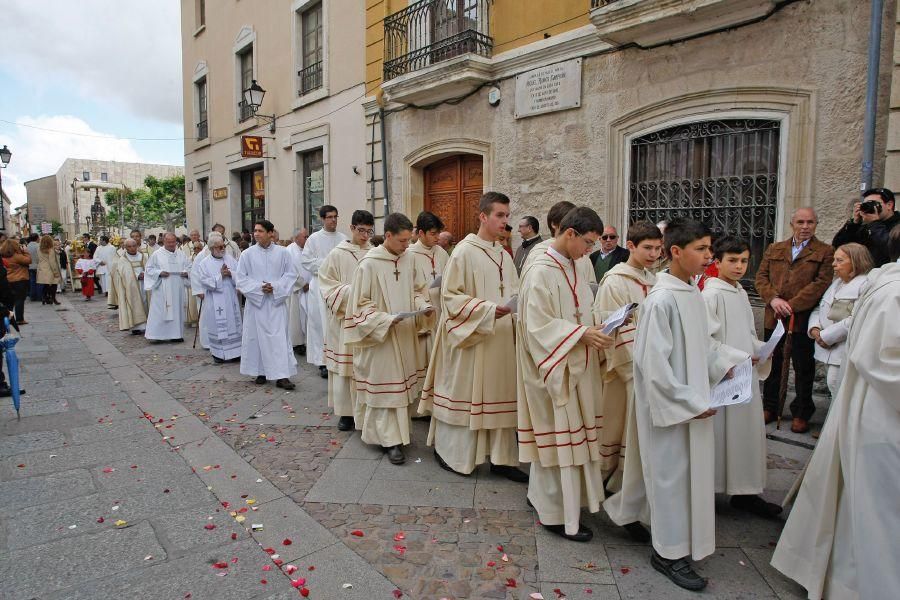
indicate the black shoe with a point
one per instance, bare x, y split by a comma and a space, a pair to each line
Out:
112, 306
218, 360
177, 340
443, 464
584, 534
137, 332
285, 384
511, 473
260, 379
637, 532
346, 424
679, 571
5, 392
395, 455
301, 349
323, 372
756, 505
421, 418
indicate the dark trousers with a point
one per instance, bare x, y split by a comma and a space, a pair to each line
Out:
49, 293
802, 347
34, 289
20, 292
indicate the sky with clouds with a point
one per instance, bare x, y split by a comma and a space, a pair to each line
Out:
88, 79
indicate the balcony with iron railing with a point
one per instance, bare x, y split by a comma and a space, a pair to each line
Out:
202, 129
310, 78
450, 37
244, 111
651, 22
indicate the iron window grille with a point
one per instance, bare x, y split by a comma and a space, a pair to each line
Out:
310, 78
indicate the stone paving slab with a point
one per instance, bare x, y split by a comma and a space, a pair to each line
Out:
192, 575
80, 456
355, 448
42, 490
33, 406
344, 482
184, 531
109, 407
501, 496
283, 520
419, 493
50, 567
336, 565
30, 442
108, 431
785, 589
574, 591
563, 561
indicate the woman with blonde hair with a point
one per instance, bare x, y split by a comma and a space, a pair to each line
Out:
829, 322
16, 259
48, 273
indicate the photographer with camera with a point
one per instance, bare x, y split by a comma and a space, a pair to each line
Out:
871, 224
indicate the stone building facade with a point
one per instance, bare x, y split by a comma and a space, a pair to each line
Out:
731, 111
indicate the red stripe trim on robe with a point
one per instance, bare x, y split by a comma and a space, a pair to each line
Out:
558, 346
480, 302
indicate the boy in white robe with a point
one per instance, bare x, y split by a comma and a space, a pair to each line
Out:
840, 540
221, 314
675, 364
559, 351
316, 249
127, 273
554, 217
106, 256
166, 279
298, 301
625, 283
335, 281
266, 276
387, 361
470, 387
739, 429
431, 260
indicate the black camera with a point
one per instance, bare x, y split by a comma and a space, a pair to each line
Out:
870, 207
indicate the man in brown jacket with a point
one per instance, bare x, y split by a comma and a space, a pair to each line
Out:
792, 278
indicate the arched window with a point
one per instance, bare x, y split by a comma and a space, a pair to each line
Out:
723, 173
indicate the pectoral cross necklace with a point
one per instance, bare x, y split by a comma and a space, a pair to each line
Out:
498, 265
571, 286
396, 270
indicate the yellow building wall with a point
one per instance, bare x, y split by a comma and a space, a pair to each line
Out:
514, 23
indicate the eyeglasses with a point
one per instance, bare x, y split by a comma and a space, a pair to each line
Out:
369, 232
587, 242
609, 237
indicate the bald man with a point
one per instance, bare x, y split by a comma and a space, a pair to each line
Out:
792, 278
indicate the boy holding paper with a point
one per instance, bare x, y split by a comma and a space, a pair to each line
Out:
739, 429
388, 363
675, 364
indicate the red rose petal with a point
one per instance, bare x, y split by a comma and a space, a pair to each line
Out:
209, 526
234, 536
267, 567
499, 548
22, 466
263, 581
304, 592
269, 551
397, 593
625, 570
357, 533
290, 569
287, 542
511, 583
100, 519
399, 536
278, 561
107, 469
491, 563
220, 565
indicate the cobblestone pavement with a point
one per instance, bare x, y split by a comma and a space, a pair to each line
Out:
432, 534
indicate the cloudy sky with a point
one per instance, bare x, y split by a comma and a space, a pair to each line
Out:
105, 73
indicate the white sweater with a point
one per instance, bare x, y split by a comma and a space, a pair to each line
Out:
835, 333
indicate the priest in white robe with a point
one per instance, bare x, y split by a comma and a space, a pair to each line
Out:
387, 362
266, 276
231, 248
431, 260
297, 305
675, 364
106, 256
336, 282
316, 249
166, 277
220, 318
470, 387
559, 355
127, 275
740, 433
840, 540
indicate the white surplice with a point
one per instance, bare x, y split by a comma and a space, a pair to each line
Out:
317, 247
265, 344
196, 292
297, 305
675, 364
840, 540
168, 295
105, 254
220, 317
740, 429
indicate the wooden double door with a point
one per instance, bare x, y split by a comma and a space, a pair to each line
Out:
453, 187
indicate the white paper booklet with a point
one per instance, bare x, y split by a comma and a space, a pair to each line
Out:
766, 349
436, 283
410, 315
737, 390
616, 319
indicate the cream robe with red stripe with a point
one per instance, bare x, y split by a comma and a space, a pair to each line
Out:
431, 262
471, 379
335, 279
388, 365
559, 381
623, 284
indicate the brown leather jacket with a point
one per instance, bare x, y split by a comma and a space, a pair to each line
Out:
802, 282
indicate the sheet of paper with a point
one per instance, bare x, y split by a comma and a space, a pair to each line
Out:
737, 390
436, 283
766, 350
410, 315
615, 320
513, 304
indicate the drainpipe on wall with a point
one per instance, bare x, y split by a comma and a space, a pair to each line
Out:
384, 165
871, 94
372, 168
